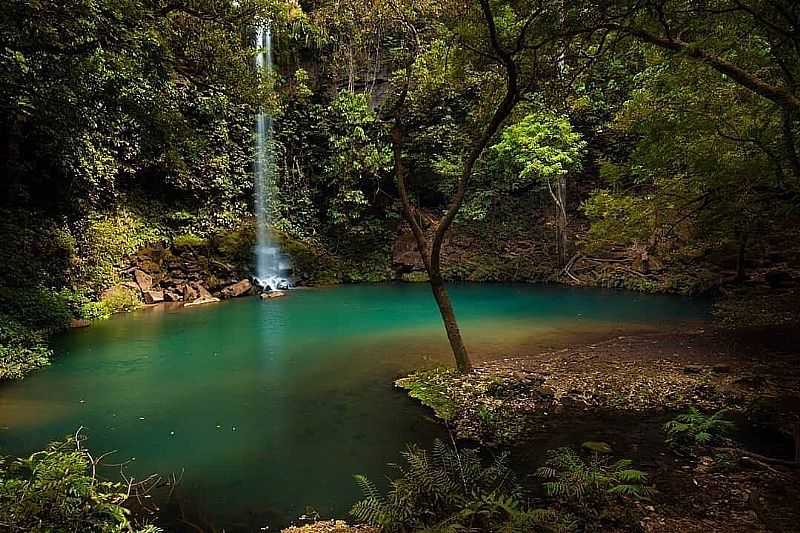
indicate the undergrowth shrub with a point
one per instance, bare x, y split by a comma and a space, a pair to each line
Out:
451, 490
694, 428
594, 489
22, 349
56, 490
105, 241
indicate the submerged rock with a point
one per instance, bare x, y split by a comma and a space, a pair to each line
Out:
272, 294
202, 300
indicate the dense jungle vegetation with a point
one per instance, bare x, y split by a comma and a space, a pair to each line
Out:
648, 145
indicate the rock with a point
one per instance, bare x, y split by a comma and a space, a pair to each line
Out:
405, 257
170, 296
721, 369
237, 289
153, 297
597, 446
543, 393
149, 266
143, 280
693, 369
221, 267
189, 293
131, 285
202, 300
79, 323
272, 294
204, 292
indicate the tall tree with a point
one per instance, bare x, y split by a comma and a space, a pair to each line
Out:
498, 41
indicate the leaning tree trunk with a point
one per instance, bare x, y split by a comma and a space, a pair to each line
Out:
435, 278
431, 251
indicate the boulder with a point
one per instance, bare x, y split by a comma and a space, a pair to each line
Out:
143, 280
189, 293
79, 323
237, 289
597, 447
170, 296
153, 297
405, 257
204, 292
272, 294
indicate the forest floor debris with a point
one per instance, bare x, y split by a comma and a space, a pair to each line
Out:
666, 371
330, 526
622, 391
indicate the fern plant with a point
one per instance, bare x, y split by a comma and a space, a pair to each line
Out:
451, 490
591, 487
695, 428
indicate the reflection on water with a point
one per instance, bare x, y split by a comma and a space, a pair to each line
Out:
272, 406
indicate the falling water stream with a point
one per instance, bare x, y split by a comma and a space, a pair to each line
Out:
271, 265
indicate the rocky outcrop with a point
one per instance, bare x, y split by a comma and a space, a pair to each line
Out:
183, 274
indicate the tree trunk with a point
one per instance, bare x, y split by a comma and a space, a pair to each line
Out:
431, 251
450, 324
432, 267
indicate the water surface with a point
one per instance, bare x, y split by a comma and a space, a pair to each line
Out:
269, 407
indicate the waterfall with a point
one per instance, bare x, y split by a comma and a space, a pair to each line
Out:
271, 265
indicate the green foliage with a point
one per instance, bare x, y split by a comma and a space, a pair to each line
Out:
106, 240
360, 161
589, 488
189, 240
541, 147
120, 299
617, 218
22, 349
694, 428
450, 490
56, 490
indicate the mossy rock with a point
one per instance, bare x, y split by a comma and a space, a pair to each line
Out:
431, 388
597, 447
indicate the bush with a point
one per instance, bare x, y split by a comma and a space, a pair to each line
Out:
56, 490
22, 349
120, 299
41, 309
